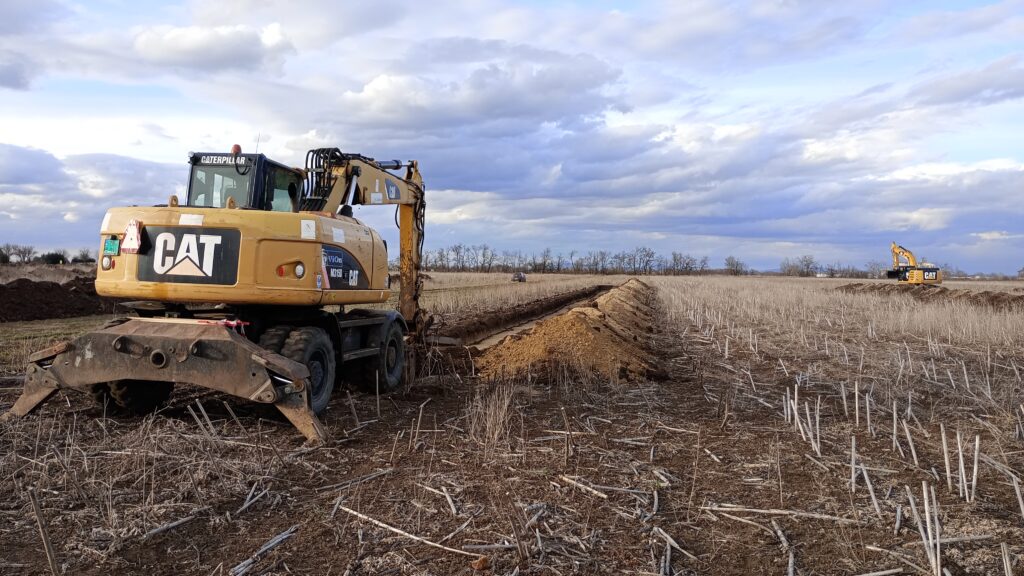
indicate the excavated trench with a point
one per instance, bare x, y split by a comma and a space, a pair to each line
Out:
476, 328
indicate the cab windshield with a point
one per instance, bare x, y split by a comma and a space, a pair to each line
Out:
211, 186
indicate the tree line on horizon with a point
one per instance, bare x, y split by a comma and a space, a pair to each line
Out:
24, 254
641, 260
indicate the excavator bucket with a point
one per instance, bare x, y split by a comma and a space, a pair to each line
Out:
205, 353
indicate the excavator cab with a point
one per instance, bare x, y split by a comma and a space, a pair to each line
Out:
252, 181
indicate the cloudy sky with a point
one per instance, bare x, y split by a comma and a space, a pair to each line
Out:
761, 129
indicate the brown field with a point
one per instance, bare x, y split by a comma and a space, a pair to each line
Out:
688, 425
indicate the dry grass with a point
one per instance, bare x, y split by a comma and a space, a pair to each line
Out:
567, 474
490, 416
20, 339
886, 373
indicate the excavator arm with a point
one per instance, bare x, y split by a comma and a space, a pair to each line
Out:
901, 252
336, 180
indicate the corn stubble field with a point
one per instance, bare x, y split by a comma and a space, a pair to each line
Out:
687, 425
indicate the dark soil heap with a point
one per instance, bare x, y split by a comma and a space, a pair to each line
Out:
607, 337
935, 293
24, 299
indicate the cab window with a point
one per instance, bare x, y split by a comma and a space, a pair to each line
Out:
211, 186
283, 190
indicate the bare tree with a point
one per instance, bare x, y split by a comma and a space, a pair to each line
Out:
545, 260
875, 268
84, 255
803, 266
734, 265
25, 253
644, 259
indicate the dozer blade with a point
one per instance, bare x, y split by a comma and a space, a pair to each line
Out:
199, 352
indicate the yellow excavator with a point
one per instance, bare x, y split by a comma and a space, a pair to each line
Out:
906, 270
246, 287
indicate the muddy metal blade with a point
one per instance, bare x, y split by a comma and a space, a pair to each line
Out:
171, 350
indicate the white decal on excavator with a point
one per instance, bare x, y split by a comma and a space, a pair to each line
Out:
186, 261
229, 160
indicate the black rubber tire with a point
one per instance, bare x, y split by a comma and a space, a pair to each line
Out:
100, 394
312, 348
389, 363
273, 338
132, 396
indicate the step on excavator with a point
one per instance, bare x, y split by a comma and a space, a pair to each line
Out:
251, 287
906, 270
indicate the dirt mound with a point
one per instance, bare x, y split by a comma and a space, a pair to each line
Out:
608, 337
25, 299
934, 293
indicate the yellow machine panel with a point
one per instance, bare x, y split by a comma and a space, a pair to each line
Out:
235, 256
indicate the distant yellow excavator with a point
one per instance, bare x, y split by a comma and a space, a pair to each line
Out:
911, 272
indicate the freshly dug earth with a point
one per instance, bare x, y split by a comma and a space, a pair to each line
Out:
606, 337
933, 293
24, 299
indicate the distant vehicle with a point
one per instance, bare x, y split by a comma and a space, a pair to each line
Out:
519, 277
912, 272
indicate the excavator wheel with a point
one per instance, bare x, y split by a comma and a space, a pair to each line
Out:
312, 348
132, 396
273, 338
383, 372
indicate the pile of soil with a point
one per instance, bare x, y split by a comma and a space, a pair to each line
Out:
608, 337
935, 293
24, 299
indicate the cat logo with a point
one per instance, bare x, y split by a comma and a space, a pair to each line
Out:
186, 261
189, 254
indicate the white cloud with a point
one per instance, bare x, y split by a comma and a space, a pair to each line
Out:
996, 235
924, 219
210, 48
757, 128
